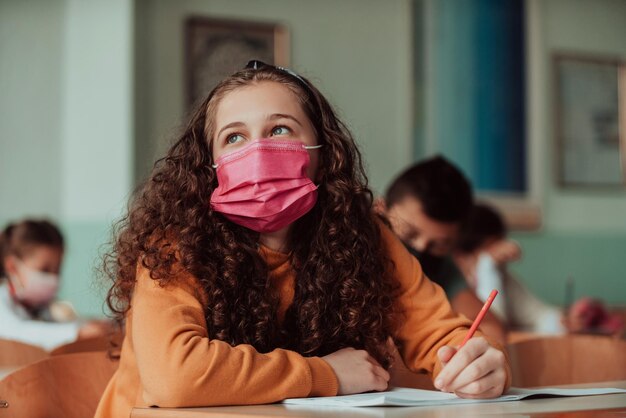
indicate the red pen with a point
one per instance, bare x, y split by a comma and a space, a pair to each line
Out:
479, 317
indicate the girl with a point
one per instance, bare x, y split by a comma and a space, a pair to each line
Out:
250, 267
31, 253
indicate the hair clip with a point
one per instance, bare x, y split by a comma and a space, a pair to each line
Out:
257, 65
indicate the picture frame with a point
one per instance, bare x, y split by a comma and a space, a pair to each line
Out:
216, 48
589, 106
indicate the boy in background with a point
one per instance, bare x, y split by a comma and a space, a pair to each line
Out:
427, 206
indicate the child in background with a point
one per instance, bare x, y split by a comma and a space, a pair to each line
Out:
590, 316
251, 268
427, 205
31, 253
483, 254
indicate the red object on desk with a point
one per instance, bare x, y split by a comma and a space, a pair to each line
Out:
480, 317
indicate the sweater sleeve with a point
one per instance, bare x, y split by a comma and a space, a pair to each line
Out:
179, 366
425, 320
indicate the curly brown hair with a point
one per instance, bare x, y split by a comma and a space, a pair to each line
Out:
343, 292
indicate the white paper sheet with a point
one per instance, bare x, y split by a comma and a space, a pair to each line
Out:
419, 397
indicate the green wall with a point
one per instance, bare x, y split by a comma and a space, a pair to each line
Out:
92, 93
66, 125
583, 231
595, 261
358, 52
587, 28
81, 283
31, 61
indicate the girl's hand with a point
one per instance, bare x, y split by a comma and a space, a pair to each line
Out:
476, 371
357, 371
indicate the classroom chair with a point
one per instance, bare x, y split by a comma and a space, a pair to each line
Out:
567, 360
620, 311
14, 354
90, 344
68, 385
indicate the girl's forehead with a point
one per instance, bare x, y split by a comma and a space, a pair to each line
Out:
264, 96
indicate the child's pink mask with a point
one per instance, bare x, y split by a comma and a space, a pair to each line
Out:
39, 288
264, 186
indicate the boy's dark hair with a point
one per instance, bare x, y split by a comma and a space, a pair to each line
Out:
441, 188
483, 223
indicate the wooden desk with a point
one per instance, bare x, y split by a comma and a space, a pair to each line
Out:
517, 336
610, 405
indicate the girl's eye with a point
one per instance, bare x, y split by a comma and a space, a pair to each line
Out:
234, 138
281, 130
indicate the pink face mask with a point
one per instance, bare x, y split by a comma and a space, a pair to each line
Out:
39, 288
264, 186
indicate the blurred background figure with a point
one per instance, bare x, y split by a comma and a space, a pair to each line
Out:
590, 316
482, 254
427, 207
31, 254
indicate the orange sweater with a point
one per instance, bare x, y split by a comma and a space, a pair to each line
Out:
168, 360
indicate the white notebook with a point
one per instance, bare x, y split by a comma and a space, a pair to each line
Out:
419, 397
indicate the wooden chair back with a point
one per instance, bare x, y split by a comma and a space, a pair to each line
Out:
567, 360
15, 353
88, 344
67, 386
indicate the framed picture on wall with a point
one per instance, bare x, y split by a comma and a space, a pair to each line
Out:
588, 109
216, 48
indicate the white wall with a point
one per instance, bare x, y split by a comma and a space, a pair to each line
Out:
358, 52
66, 112
66, 125
97, 129
577, 26
584, 230
31, 45
65, 108
67, 115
